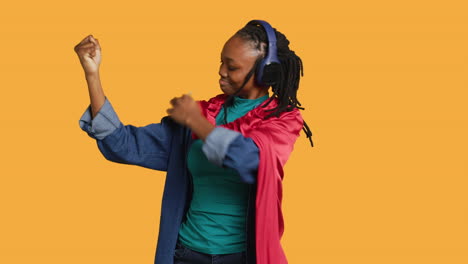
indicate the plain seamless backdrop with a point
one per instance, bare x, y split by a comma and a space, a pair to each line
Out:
385, 91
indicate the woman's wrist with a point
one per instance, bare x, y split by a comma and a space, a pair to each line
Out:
92, 75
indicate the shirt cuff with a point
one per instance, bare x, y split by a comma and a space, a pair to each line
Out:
103, 124
217, 143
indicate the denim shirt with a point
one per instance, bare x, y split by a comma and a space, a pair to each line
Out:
163, 146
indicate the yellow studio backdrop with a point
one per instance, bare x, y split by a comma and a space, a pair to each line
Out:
385, 91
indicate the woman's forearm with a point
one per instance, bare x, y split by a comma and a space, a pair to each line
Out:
96, 93
200, 126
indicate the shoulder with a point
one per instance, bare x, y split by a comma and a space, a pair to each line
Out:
287, 123
219, 97
275, 132
277, 135
212, 103
291, 120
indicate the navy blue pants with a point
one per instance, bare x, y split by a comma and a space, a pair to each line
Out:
185, 255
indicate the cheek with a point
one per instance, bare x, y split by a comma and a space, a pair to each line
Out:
238, 78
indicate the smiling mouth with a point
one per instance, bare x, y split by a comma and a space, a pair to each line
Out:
223, 82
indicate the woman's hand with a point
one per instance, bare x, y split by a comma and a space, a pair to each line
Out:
186, 111
89, 53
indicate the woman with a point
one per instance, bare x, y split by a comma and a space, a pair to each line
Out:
224, 157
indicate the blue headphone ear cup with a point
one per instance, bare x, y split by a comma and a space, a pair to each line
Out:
267, 75
271, 73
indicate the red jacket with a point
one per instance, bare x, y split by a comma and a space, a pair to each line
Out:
275, 138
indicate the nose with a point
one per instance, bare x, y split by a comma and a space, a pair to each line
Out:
223, 71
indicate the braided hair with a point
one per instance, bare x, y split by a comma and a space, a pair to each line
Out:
285, 89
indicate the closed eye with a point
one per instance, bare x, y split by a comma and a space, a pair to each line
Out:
230, 68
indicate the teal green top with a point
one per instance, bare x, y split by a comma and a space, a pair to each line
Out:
216, 218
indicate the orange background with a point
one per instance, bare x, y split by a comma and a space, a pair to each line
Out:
385, 92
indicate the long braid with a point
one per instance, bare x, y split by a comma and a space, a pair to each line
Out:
285, 90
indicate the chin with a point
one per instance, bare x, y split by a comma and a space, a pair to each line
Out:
226, 90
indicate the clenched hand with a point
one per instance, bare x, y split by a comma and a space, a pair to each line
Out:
184, 109
89, 53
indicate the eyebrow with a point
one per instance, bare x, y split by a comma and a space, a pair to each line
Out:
228, 59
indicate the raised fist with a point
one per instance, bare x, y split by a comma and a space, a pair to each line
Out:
89, 52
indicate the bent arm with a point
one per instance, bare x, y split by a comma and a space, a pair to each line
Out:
228, 148
147, 146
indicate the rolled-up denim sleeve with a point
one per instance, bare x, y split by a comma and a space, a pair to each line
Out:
103, 124
229, 148
147, 146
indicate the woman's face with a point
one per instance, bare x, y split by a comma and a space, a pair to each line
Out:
237, 59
